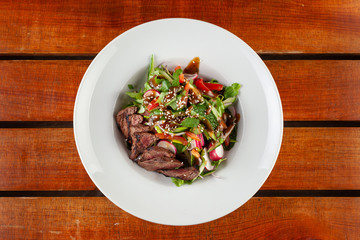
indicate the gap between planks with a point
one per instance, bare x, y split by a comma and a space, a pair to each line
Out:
260, 193
263, 56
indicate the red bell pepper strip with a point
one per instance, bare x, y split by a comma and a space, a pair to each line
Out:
199, 83
153, 104
214, 86
178, 67
181, 78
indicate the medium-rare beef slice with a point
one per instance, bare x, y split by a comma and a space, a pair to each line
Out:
122, 119
138, 128
140, 142
160, 163
188, 173
156, 152
134, 119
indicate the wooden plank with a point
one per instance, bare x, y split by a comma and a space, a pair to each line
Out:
317, 158
318, 90
310, 158
260, 218
39, 90
310, 90
40, 159
84, 26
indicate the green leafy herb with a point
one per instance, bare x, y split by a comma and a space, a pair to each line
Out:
179, 182
190, 122
165, 75
176, 75
214, 81
151, 67
200, 109
147, 86
204, 174
232, 91
217, 163
172, 104
135, 95
179, 147
130, 86
165, 85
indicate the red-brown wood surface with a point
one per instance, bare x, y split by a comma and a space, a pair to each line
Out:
309, 90
310, 158
40, 159
260, 218
85, 26
39, 90
317, 158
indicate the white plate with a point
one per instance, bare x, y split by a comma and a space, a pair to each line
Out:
149, 195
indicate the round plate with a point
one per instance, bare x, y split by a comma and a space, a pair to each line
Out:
152, 196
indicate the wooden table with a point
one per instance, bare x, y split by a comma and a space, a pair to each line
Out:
312, 49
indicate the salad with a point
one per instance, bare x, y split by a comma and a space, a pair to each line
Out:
180, 124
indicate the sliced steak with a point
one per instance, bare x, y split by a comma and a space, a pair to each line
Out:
188, 173
157, 152
140, 142
134, 119
122, 119
138, 128
160, 163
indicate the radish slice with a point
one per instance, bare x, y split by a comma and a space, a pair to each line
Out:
151, 93
202, 142
167, 145
208, 161
217, 153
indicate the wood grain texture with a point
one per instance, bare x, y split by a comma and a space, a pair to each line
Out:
317, 158
40, 159
39, 90
309, 90
260, 218
310, 158
318, 90
85, 26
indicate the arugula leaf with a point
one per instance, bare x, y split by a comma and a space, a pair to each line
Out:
135, 95
161, 97
147, 86
201, 109
165, 85
176, 75
232, 91
204, 174
217, 163
155, 112
172, 104
130, 86
179, 182
165, 75
190, 122
151, 67
179, 147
